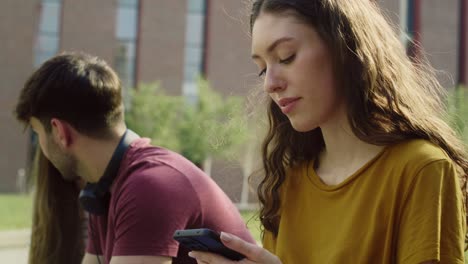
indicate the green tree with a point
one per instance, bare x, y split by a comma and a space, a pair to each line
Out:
154, 114
458, 111
215, 125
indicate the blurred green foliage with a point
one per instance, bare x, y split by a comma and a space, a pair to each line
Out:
16, 211
253, 223
458, 111
216, 125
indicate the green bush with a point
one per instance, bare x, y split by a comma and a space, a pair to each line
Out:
458, 111
215, 125
154, 114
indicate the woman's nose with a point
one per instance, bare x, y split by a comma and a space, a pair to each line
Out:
273, 81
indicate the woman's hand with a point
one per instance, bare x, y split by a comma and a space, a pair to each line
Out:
252, 252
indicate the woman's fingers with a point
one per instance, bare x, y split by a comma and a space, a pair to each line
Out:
205, 257
251, 251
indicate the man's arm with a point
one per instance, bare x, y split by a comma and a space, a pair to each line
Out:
139, 229
140, 260
92, 259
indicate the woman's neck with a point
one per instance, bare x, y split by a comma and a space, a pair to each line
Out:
344, 152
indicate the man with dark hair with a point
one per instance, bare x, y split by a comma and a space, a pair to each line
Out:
137, 194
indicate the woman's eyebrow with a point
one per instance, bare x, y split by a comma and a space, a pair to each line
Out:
273, 45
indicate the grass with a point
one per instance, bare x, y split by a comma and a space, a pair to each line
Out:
15, 211
253, 224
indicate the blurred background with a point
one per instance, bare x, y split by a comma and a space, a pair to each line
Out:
190, 57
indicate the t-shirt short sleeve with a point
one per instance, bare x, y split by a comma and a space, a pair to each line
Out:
93, 245
155, 203
432, 217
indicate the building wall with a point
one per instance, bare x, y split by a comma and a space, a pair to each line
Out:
465, 59
17, 18
89, 25
391, 9
439, 35
439, 20
230, 70
229, 67
162, 40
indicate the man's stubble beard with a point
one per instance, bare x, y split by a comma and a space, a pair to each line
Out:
65, 163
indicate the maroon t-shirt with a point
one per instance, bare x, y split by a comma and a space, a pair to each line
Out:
155, 193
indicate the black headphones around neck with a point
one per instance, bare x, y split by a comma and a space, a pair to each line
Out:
94, 198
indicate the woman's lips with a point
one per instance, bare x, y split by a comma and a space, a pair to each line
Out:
287, 104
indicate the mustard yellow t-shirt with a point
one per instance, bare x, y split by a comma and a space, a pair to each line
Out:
404, 206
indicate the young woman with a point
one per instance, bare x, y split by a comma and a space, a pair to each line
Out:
359, 164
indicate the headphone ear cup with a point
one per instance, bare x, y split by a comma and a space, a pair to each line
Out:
91, 202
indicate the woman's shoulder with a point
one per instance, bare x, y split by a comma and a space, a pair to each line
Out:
417, 152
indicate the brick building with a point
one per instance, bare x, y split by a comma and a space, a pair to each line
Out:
172, 41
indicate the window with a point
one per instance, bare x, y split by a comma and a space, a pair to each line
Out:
48, 37
126, 35
194, 42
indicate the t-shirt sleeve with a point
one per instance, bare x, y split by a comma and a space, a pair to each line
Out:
151, 207
93, 243
432, 225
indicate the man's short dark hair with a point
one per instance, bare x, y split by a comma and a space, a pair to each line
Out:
77, 88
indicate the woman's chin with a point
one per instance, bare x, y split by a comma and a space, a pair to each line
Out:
302, 126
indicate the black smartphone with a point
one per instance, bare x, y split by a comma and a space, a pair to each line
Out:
204, 239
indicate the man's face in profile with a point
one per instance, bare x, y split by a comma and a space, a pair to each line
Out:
65, 162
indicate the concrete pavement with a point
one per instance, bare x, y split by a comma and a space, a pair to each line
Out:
17, 255
14, 246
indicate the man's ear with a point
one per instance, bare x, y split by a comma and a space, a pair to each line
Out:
62, 132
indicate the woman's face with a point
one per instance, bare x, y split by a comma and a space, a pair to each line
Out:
297, 71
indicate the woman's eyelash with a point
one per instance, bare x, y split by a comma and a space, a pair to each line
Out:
285, 61
262, 73
288, 59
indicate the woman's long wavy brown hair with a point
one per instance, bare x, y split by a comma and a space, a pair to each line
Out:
389, 97
57, 233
